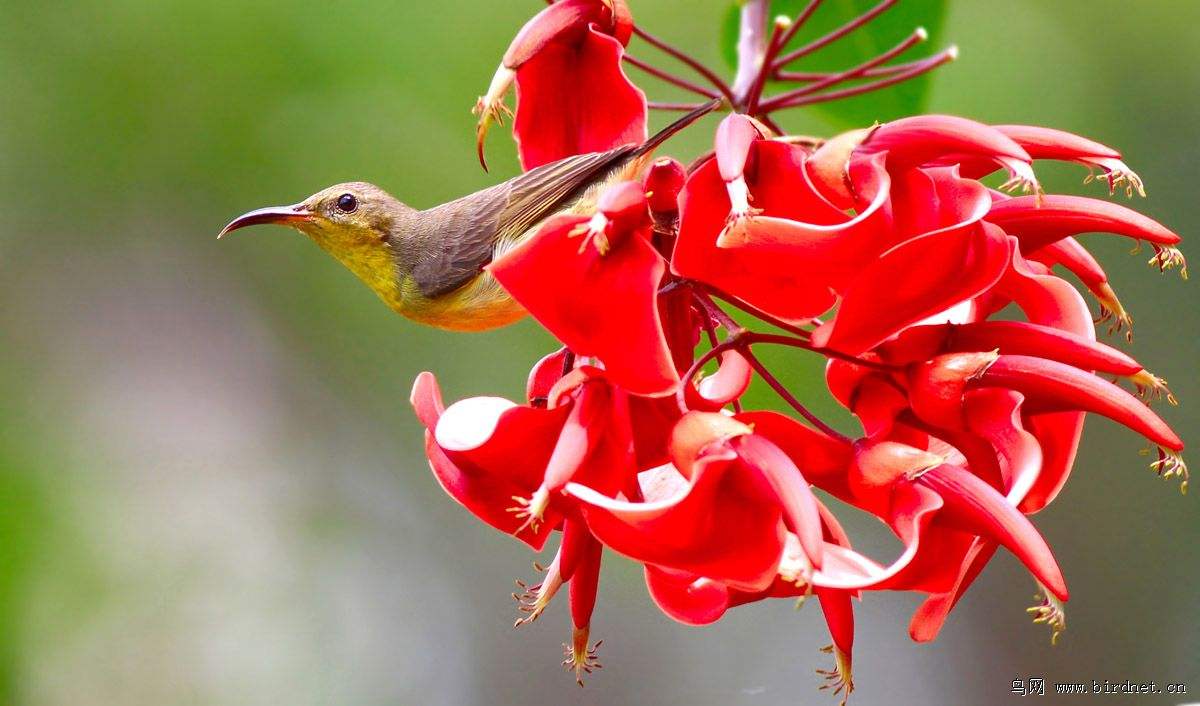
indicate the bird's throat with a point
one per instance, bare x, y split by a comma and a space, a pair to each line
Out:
368, 258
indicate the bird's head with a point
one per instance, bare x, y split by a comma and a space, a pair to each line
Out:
356, 222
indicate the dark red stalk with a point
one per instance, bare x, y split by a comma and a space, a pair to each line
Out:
799, 22
918, 68
774, 45
852, 73
692, 63
674, 107
869, 73
671, 78
710, 307
834, 35
756, 313
788, 397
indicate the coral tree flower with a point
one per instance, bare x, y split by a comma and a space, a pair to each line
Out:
572, 94
968, 363
606, 258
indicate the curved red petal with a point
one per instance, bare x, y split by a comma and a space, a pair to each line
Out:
995, 415
1069, 253
573, 97
724, 510
756, 275
472, 477
976, 507
1037, 221
929, 617
735, 135
800, 507
722, 387
839, 616
1049, 301
544, 375
822, 459
925, 139
687, 598
1024, 338
919, 278
1052, 386
1048, 143
561, 21
601, 305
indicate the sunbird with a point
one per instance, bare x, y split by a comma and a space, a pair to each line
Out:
427, 265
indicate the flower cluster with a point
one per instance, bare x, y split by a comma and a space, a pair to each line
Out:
633, 436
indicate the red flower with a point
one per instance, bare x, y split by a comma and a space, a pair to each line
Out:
635, 434
741, 495
572, 94
489, 451
775, 182
593, 283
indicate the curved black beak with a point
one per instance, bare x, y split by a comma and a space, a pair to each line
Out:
279, 215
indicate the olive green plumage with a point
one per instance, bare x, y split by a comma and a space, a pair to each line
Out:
428, 265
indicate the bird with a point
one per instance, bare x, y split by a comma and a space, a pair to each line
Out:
428, 265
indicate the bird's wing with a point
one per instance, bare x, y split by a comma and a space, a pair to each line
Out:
541, 192
469, 228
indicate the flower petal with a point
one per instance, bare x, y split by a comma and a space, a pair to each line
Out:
925, 139
1040, 221
574, 97
522, 437
725, 511
976, 507
611, 312
756, 275
685, 597
1053, 386
912, 281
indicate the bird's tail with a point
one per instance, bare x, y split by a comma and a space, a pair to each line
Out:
667, 132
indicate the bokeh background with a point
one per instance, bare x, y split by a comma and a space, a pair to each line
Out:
212, 489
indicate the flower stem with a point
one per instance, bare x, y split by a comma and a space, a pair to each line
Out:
849, 74
834, 35
718, 314
918, 68
671, 78
788, 397
809, 76
799, 22
686, 59
774, 44
676, 107
751, 49
756, 313
752, 338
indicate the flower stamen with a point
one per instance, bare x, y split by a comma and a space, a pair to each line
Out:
1150, 387
581, 658
532, 509
740, 209
1050, 611
594, 232
533, 599
1116, 173
840, 679
1166, 257
1021, 178
1111, 310
1170, 464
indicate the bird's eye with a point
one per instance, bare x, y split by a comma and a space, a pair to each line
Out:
346, 203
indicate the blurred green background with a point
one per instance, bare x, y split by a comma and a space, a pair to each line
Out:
212, 489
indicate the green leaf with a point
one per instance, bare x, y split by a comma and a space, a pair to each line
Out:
877, 36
